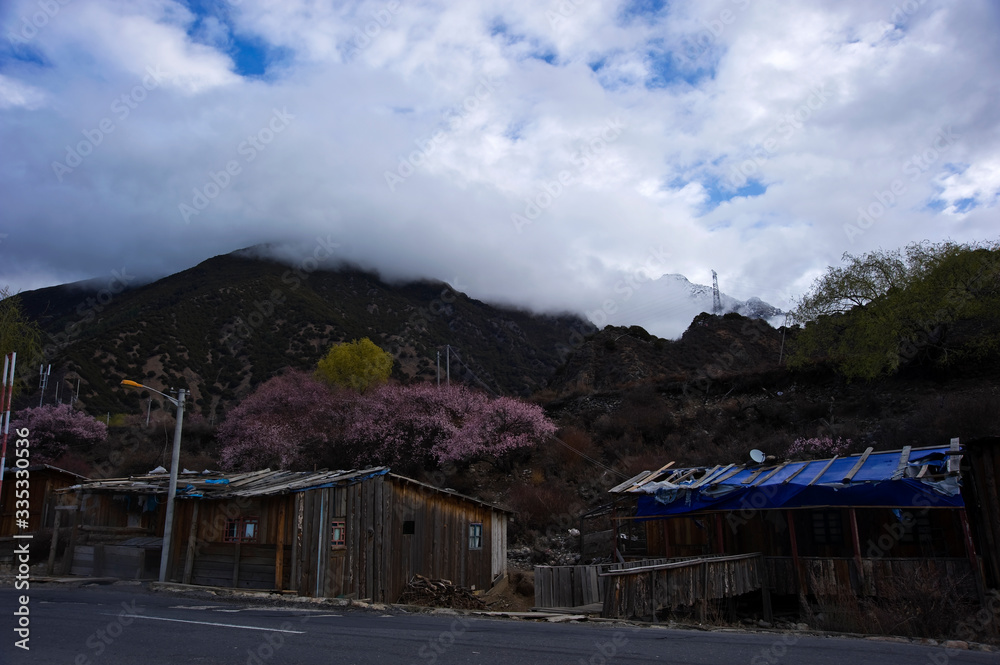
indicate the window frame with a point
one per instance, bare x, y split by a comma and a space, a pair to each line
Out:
341, 524
236, 530
475, 536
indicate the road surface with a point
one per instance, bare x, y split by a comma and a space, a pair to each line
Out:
106, 625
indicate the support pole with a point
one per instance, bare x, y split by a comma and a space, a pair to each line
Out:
192, 545
168, 525
856, 543
970, 549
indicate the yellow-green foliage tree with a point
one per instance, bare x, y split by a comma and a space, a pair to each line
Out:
358, 365
886, 308
17, 332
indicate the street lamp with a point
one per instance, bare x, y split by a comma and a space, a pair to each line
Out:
168, 527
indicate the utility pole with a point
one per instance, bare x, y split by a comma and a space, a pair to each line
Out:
447, 364
439, 369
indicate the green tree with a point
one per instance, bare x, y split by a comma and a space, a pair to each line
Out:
358, 365
17, 332
886, 308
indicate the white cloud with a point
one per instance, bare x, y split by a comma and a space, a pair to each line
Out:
823, 106
14, 93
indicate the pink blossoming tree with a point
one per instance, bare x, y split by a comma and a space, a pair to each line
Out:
279, 425
53, 429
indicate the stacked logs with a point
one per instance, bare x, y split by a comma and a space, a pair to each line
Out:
439, 593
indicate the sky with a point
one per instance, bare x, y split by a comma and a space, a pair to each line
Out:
558, 156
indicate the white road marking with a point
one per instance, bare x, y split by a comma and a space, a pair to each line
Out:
210, 623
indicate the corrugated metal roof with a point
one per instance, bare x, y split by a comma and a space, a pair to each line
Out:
224, 485
216, 485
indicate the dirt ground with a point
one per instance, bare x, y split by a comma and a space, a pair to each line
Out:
514, 594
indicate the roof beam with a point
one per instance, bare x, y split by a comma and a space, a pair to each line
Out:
860, 463
822, 471
904, 459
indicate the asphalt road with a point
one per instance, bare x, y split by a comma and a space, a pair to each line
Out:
131, 625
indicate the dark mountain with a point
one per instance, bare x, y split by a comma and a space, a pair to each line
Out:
229, 323
713, 350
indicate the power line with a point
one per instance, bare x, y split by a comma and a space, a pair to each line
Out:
555, 438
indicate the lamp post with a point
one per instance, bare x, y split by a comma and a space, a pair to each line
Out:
175, 454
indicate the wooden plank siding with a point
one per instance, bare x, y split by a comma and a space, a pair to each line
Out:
293, 547
43, 482
826, 576
640, 591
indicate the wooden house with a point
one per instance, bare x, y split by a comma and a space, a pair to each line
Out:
42, 482
824, 527
360, 534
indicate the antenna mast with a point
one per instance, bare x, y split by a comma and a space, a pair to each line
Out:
716, 299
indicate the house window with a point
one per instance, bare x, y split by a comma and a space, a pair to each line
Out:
338, 534
826, 527
409, 527
476, 536
241, 530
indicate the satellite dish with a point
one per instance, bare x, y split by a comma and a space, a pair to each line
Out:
757, 455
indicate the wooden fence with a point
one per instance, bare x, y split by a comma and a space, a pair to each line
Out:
833, 576
575, 586
641, 590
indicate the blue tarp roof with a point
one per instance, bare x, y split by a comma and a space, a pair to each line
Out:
885, 479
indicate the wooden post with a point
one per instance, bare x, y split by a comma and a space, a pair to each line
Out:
236, 564
67, 566
720, 546
703, 610
666, 538
191, 545
765, 591
279, 555
970, 549
856, 543
296, 535
50, 566
799, 581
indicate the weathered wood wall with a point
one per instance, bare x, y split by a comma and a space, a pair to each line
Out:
568, 586
981, 465
379, 558
836, 576
640, 591
42, 484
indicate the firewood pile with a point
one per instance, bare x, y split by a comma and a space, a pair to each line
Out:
439, 593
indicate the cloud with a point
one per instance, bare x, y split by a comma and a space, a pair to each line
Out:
738, 136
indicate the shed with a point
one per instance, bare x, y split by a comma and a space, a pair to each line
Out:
823, 526
358, 533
